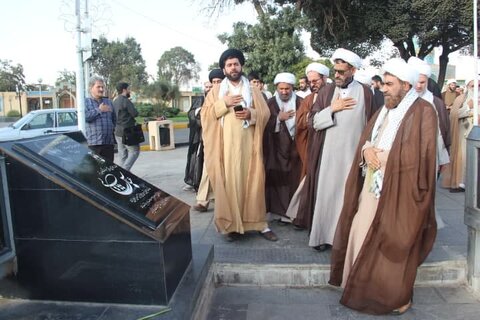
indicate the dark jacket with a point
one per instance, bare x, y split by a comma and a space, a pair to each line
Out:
125, 112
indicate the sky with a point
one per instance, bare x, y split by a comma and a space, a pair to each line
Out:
40, 35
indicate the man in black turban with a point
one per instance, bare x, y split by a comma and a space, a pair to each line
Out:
234, 117
230, 54
194, 169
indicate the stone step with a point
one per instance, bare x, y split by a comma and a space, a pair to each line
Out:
452, 272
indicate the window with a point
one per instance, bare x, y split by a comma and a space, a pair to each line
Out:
67, 119
41, 121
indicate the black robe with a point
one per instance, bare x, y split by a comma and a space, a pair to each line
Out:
194, 168
282, 162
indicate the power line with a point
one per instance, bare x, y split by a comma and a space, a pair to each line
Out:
131, 10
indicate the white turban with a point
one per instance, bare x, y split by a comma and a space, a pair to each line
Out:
317, 67
286, 77
363, 77
347, 56
421, 66
400, 69
451, 81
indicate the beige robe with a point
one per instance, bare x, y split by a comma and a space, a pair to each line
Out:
234, 163
460, 125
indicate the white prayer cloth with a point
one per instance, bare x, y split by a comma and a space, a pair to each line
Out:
286, 106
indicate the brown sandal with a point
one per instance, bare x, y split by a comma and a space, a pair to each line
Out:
402, 309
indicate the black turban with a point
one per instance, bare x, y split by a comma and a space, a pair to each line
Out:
231, 53
216, 73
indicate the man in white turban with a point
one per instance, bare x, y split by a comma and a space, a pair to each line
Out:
387, 224
421, 87
317, 75
282, 163
335, 125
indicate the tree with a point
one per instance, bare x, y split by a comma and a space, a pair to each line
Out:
65, 77
118, 61
161, 90
271, 46
178, 66
414, 26
11, 76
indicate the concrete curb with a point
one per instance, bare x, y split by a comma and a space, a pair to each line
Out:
316, 275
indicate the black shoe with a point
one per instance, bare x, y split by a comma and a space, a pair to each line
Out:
282, 222
457, 190
232, 236
322, 247
297, 227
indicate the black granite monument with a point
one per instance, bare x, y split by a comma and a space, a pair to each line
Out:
87, 230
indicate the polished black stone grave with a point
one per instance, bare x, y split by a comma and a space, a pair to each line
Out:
87, 230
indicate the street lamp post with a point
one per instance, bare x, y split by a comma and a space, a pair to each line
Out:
19, 95
40, 92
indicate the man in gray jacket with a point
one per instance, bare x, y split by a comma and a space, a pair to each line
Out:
125, 113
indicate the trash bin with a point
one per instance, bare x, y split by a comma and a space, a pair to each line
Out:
472, 208
161, 135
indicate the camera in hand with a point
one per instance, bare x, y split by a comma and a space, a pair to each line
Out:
238, 108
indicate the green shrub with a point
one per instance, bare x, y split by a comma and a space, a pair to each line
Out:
13, 114
145, 110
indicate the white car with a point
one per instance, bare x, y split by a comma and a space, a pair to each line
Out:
41, 122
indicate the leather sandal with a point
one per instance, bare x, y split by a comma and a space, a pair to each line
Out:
402, 309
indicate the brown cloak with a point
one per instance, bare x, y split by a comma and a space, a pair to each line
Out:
443, 121
314, 152
282, 162
245, 209
301, 130
404, 228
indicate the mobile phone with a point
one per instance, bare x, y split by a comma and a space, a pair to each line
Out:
238, 108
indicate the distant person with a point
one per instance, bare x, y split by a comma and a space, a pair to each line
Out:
377, 84
282, 162
100, 120
204, 190
461, 122
233, 118
264, 89
387, 223
194, 167
336, 123
450, 93
303, 87
254, 79
125, 112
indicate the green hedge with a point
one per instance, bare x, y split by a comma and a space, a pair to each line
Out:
13, 113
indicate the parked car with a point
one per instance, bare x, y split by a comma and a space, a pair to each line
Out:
41, 122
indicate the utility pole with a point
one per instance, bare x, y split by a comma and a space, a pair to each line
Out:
19, 95
475, 68
40, 92
80, 79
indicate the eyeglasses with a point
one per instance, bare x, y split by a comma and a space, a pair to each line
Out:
313, 81
341, 72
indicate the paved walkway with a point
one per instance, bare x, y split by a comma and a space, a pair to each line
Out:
165, 169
